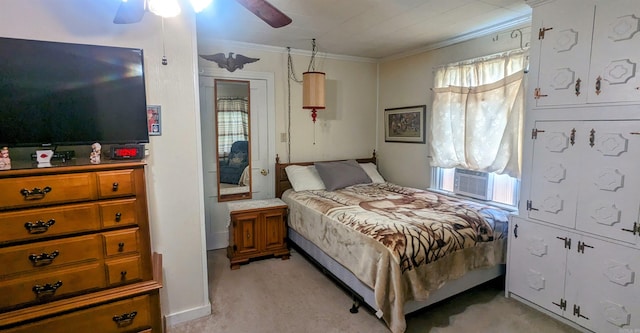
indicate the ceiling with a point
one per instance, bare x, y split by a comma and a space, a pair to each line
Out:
363, 28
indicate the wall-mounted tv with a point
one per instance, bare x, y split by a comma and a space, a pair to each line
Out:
54, 93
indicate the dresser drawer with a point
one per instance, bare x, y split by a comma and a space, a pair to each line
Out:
116, 183
44, 190
130, 315
35, 257
51, 285
123, 270
118, 213
37, 223
120, 242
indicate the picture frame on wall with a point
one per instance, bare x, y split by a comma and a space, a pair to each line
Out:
154, 120
405, 124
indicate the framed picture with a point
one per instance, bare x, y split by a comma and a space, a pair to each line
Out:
154, 121
406, 124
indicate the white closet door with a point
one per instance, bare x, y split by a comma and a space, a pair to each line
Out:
555, 173
564, 53
537, 260
615, 63
609, 193
602, 279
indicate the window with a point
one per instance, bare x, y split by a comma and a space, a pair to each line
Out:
502, 189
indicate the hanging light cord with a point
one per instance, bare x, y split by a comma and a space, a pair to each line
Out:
164, 56
291, 76
312, 61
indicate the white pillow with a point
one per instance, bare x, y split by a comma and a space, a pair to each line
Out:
372, 171
304, 178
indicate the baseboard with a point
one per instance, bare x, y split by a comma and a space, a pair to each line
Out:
180, 317
218, 240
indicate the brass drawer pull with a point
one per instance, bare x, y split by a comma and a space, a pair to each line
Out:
43, 259
46, 291
35, 194
125, 319
39, 226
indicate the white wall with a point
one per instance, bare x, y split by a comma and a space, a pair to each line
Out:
174, 174
346, 128
406, 82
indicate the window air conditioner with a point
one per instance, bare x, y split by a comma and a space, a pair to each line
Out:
474, 184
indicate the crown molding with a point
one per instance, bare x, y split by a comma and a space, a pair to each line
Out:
277, 49
514, 23
536, 3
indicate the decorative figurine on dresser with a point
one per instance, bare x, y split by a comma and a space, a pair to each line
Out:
257, 228
75, 250
5, 160
96, 150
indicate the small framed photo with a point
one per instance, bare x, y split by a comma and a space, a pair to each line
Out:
154, 120
405, 124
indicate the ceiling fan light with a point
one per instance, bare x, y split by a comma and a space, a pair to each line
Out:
164, 8
200, 5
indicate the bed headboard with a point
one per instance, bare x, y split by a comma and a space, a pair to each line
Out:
282, 181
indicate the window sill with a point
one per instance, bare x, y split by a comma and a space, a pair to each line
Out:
509, 208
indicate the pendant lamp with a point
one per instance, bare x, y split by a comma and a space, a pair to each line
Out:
313, 92
313, 86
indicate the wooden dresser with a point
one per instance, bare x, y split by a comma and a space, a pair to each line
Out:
75, 251
257, 228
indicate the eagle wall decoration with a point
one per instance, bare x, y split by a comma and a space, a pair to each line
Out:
230, 63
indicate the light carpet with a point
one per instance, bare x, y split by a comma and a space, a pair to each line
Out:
274, 295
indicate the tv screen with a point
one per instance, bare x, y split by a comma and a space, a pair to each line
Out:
55, 93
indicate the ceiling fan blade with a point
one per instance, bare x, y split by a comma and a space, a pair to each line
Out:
130, 11
267, 12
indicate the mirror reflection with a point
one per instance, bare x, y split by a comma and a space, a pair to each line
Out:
233, 139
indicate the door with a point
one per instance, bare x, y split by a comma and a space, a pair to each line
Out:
262, 146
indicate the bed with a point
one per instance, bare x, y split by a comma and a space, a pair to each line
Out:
398, 249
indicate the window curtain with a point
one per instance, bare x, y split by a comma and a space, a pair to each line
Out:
477, 114
233, 122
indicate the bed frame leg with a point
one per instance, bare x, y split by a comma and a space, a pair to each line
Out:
355, 306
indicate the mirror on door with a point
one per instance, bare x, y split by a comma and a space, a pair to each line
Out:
233, 148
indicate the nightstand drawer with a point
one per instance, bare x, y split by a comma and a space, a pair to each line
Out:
51, 285
44, 190
131, 315
34, 257
118, 213
120, 242
116, 183
123, 270
44, 222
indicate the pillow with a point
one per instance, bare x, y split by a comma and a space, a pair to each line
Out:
237, 159
372, 171
303, 177
340, 174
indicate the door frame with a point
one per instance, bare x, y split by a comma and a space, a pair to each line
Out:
217, 239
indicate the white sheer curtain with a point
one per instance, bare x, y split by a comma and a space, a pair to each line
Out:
477, 114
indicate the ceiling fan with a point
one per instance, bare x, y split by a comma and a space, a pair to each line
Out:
132, 11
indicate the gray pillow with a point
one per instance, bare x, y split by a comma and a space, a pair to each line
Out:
340, 174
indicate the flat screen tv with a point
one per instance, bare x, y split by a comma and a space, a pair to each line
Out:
54, 93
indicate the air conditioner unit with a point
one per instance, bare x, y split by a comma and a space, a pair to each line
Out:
474, 184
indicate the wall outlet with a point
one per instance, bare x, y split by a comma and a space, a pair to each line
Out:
283, 137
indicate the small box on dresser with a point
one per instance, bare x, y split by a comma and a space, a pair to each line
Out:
75, 250
257, 228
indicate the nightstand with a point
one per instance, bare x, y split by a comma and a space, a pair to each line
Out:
258, 228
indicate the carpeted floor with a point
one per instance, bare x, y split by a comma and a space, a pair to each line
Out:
283, 296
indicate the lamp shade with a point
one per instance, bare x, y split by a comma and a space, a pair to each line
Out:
313, 90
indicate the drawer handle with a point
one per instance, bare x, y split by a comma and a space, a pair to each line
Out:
123, 275
118, 217
125, 319
35, 194
43, 259
46, 291
120, 246
39, 227
114, 188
